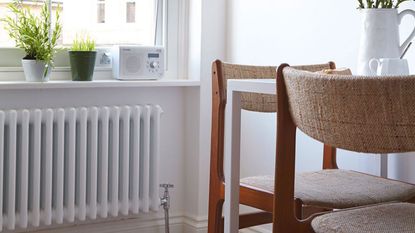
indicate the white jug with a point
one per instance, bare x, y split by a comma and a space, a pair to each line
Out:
380, 36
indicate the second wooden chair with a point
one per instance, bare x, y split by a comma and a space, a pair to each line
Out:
363, 114
322, 189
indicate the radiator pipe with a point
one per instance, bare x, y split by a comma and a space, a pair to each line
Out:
165, 203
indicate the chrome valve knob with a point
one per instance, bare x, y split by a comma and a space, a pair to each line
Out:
154, 64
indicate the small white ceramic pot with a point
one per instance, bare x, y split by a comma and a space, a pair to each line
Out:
35, 70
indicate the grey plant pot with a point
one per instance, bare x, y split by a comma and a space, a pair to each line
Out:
35, 70
82, 65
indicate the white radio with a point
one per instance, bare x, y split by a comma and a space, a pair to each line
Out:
137, 62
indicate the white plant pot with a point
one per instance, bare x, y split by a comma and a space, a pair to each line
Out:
380, 36
35, 70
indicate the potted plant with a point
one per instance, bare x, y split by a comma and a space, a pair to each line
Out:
82, 58
380, 31
36, 36
376, 4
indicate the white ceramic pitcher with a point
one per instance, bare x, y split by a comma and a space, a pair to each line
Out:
380, 36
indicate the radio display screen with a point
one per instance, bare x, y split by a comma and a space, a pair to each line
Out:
153, 55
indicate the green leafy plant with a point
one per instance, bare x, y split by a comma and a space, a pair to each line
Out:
34, 34
375, 4
83, 44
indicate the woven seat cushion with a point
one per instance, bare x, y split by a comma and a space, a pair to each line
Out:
385, 218
340, 189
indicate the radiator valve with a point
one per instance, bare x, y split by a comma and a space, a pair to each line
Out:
165, 202
165, 199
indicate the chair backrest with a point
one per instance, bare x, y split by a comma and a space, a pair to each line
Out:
221, 72
252, 101
364, 114
249, 101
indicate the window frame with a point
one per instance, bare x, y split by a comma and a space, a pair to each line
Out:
172, 35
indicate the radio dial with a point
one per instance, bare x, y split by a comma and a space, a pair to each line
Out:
154, 64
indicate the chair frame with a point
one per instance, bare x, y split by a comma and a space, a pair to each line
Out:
249, 196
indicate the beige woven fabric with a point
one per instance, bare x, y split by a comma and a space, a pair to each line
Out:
365, 114
313, 68
344, 71
386, 218
340, 189
253, 101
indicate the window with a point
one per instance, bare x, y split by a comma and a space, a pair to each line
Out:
116, 22
130, 11
109, 22
34, 5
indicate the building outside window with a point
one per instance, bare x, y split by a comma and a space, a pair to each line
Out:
35, 7
130, 11
101, 11
119, 22
109, 22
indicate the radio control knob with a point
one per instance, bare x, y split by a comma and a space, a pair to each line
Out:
154, 64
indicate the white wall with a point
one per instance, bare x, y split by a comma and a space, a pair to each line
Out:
297, 31
207, 43
269, 32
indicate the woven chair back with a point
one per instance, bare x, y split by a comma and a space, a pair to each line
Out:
253, 101
364, 114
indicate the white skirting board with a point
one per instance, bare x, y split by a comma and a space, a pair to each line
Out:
178, 224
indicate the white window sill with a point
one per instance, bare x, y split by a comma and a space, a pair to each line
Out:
16, 85
12, 78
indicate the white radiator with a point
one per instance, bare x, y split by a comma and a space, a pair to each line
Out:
68, 164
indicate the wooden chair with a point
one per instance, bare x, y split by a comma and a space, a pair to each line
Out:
363, 114
250, 195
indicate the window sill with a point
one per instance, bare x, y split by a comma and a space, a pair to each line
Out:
22, 85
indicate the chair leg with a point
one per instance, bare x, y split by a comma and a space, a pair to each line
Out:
250, 220
215, 223
254, 219
412, 200
298, 208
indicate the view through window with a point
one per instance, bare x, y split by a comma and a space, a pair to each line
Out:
101, 11
109, 22
130, 12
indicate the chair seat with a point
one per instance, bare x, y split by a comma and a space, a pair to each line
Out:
339, 189
385, 218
